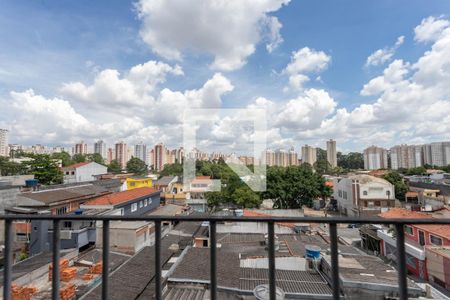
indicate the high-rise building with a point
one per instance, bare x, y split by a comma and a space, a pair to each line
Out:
4, 142
180, 155
375, 158
281, 158
159, 159
100, 148
440, 154
270, 157
81, 148
121, 154
140, 151
110, 155
309, 155
331, 153
293, 157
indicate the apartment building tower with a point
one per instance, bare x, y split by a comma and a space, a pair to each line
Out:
331, 153
375, 158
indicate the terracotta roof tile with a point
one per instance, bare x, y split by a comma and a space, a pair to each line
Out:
74, 166
401, 213
440, 230
121, 197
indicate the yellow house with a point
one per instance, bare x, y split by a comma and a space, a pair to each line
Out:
138, 182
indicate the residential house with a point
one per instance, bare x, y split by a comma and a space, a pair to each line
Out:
127, 203
417, 238
363, 195
135, 182
438, 265
82, 172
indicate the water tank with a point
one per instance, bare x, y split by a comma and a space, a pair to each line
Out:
312, 251
78, 212
261, 292
31, 182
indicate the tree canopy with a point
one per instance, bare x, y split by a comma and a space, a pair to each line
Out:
45, 169
350, 161
137, 166
399, 185
114, 167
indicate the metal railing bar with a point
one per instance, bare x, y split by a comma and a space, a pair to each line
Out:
401, 262
158, 288
7, 268
153, 218
271, 249
334, 261
105, 263
56, 259
213, 261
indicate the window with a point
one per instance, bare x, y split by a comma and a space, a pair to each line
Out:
73, 172
132, 183
67, 224
340, 193
365, 193
435, 240
409, 230
344, 194
388, 193
133, 207
145, 202
61, 210
377, 203
67, 173
141, 204
149, 201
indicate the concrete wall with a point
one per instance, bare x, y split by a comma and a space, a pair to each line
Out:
153, 201
241, 227
84, 173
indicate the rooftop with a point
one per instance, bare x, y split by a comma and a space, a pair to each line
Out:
68, 193
122, 197
165, 180
77, 165
401, 213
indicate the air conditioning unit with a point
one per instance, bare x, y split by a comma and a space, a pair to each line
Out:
66, 234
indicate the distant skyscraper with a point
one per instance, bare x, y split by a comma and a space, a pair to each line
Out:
375, 158
140, 151
4, 142
309, 155
406, 157
281, 158
110, 155
440, 154
159, 160
293, 157
331, 153
121, 154
270, 157
100, 148
81, 148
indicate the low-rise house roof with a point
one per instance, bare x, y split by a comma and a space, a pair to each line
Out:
401, 213
122, 197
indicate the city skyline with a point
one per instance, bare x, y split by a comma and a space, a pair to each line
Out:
313, 87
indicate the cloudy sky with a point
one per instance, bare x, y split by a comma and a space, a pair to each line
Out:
362, 72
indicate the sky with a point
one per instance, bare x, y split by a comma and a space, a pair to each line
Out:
361, 72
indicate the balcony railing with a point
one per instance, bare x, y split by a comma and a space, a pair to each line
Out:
213, 220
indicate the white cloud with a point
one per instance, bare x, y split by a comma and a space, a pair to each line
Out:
305, 60
381, 56
112, 91
430, 29
228, 30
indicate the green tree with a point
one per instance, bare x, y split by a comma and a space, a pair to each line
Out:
350, 161
79, 158
45, 169
95, 157
294, 186
175, 169
246, 198
399, 185
114, 167
322, 167
65, 158
137, 166
9, 168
